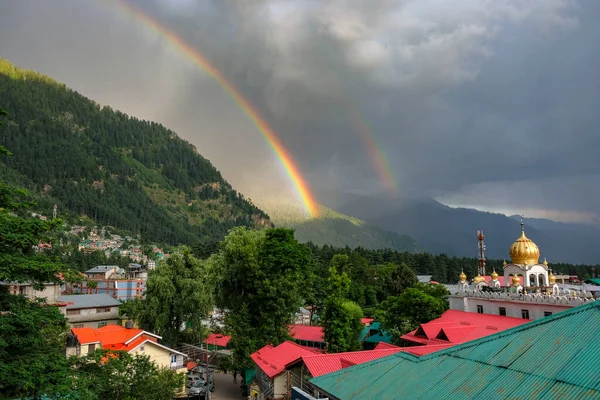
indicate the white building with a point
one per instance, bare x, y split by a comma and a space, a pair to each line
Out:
90, 310
530, 290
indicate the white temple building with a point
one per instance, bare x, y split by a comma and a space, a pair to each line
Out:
530, 290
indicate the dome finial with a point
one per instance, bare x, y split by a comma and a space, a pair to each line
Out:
522, 224
545, 262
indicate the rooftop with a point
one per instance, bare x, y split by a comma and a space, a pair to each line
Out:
458, 326
88, 301
101, 269
217, 339
116, 337
308, 333
551, 358
274, 360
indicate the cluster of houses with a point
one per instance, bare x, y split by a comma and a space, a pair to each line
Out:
113, 243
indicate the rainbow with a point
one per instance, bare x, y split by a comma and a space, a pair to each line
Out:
377, 156
285, 158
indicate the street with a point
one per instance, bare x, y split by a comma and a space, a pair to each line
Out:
225, 389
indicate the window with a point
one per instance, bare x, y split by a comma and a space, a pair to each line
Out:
479, 309
77, 325
141, 348
525, 314
173, 358
502, 311
102, 309
91, 348
73, 312
547, 313
101, 324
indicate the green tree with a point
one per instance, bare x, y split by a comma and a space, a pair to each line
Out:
341, 317
119, 375
403, 277
260, 281
32, 334
32, 344
178, 293
402, 314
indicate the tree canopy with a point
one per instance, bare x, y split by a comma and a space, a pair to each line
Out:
259, 280
178, 294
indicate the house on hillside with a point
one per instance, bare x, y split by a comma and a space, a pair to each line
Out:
90, 310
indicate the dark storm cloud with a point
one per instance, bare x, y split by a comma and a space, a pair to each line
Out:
459, 94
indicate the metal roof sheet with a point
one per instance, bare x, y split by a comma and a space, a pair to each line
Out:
554, 357
89, 300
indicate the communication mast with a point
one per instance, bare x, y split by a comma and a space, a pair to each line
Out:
481, 246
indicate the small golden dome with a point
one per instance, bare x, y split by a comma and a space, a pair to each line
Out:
478, 279
524, 251
494, 275
504, 264
516, 280
545, 262
462, 277
551, 278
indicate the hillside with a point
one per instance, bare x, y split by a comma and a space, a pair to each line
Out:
442, 229
333, 228
118, 170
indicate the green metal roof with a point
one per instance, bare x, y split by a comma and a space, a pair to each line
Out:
554, 357
593, 281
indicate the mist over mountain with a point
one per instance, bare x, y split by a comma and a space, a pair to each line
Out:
442, 229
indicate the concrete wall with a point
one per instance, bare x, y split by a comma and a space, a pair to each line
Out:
513, 308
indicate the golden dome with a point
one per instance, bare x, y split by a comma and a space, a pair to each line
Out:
551, 278
494, 275
524, 251
478, 279
516, 280
462, 277
504, 264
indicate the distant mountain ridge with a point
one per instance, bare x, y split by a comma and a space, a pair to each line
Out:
117, 170
333, 228
442, 229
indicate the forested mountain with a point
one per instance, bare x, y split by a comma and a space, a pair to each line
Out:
333, 228
442, 229
118, 170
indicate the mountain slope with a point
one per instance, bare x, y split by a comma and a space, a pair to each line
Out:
118, 170
442, 229
333, 228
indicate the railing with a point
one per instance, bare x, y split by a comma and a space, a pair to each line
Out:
177, 365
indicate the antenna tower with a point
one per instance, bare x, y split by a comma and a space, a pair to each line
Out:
481, 246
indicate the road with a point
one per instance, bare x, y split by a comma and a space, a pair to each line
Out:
225, 389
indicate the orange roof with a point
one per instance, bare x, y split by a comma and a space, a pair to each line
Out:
114, 337
321, 364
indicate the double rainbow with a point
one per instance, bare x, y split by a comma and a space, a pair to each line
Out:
284, 156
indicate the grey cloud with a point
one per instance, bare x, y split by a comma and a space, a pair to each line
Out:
459, 94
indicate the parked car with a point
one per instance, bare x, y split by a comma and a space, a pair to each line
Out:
191, 379
201, 388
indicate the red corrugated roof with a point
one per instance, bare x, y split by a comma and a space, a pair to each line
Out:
458, 326
274, 360
308, 333
217, 339
488, 279
367, 321
384, 345
326, 363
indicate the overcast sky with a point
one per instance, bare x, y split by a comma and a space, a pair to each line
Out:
484, 103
